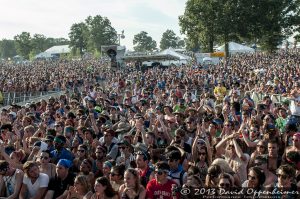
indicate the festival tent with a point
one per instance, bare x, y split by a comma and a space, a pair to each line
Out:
43, 55
58, 49
53, 52
209, 59
236, 48
183, 59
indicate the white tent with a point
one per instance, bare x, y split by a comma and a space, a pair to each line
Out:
183, 59
236, 48
58, 49
209, 59
43, 55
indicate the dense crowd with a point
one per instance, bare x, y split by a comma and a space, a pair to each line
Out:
177, 132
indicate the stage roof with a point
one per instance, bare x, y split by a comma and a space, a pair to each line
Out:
150, 57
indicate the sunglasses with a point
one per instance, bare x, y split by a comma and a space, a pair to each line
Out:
81, 151
114, 174
202, 154
295, 140
44, 158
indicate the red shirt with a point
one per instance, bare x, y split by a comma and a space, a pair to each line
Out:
160, 191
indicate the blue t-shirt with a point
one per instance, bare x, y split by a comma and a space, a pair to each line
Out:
62, 154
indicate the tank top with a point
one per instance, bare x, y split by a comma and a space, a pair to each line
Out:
124, 196
10, 182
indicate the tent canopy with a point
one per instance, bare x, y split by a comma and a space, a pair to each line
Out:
236, 48
150, 57
43, 55
58, 49
207, 59
171, 51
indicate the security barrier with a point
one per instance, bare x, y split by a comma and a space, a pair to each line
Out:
276, 98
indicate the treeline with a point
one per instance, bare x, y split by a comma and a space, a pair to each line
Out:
27, 46
86, 36
263, 22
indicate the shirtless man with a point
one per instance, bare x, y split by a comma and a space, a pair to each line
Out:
262, 162
295, 146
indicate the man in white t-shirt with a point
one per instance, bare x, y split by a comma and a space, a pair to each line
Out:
34, 183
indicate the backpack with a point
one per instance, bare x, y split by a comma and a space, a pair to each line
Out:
145, 179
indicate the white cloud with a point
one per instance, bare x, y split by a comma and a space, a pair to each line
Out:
54, 18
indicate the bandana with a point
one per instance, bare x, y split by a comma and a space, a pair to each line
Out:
58, 140
108, 164
65, 163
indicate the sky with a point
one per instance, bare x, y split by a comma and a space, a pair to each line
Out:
54, 18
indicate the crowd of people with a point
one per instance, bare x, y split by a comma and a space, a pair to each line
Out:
164, 133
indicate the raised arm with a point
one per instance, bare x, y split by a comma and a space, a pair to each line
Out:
9, 160
239, 151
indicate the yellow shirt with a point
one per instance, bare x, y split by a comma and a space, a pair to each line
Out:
220, 92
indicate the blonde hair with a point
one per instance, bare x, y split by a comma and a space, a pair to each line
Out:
30, 129
33, 139
137, 178
28, 165
84, 182
223, 164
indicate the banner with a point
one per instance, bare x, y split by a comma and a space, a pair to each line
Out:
218, 54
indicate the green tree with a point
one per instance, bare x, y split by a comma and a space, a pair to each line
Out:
265, 22
180, 43
39, 43
198, 24
101, 32
283, 19
23, 44
56, 42
61, 41
169, 39
7, 48
143, 42
79, 37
